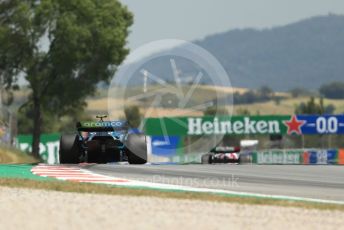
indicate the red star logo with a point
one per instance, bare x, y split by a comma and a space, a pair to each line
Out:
294, 125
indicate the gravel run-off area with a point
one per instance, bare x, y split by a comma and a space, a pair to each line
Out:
39, 209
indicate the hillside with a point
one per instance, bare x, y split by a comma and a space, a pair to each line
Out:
308, 53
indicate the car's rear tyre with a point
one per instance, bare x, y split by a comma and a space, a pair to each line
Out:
136, 149
206, 159
69, 149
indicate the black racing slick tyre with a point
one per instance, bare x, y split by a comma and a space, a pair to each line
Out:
69, 149
206, 159
136, 147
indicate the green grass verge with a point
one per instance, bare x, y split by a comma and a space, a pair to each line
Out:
23, 171
114, 190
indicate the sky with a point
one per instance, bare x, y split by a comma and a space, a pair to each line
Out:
194, 19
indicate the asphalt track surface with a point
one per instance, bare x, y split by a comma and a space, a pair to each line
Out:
319, 182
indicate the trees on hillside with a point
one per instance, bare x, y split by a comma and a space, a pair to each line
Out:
312, 107
63, 48
133, 116
263, 94
334, 90
299, 92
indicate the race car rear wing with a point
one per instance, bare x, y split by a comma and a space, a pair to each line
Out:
225, 149
101, 126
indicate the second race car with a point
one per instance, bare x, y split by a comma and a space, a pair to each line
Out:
222, 155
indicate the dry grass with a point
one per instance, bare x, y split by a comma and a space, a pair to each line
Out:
204, 94
223, 89
162, 112
286, 106
111, 190
13, 156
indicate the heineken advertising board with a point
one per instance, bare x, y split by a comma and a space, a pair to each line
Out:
299, 156
278, 157
243, 125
